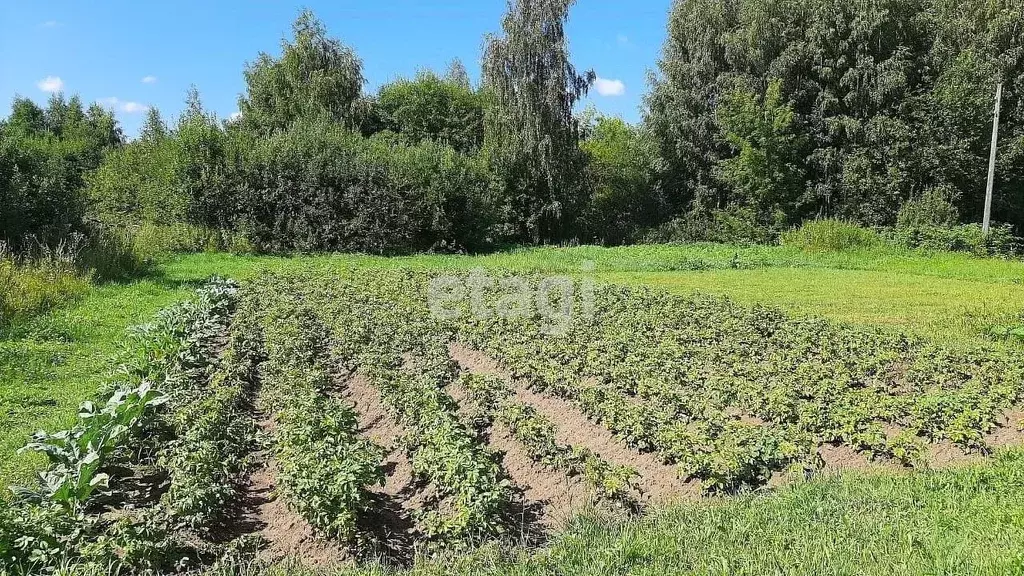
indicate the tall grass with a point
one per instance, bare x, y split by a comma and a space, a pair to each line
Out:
831, 236
40, 281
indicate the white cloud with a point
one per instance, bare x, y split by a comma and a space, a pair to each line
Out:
623, 40
50, 24
133, 107
51, 84
606, 87
149, 80
234, 116
119, 105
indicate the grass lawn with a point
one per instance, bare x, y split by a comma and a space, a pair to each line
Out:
48, 365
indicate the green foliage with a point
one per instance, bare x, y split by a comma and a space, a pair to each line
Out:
320, 187
845, 109
315, 77
409, 368
625, 198
765, 174
537, 435
88, 461
1000, 240
213, 430
325, 469
831, 236
78, 455
44, 156
203, 167
935, 207
29, 286
531, 138
428, 107
137, 183
736, 225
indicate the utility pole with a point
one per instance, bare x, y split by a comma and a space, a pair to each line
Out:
992, 163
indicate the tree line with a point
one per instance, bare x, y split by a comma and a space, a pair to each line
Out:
761, 114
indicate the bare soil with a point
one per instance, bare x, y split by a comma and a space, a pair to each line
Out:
1007, 432
549, 497
389, 524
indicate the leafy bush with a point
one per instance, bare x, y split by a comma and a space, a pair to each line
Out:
732, 225
428, 107
320, 187
44, 156
936, 207
625, 198
961, 238
831, 236
324, 467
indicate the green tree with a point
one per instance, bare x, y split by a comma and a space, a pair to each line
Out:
622, 162
531, 137
202, 166
765, 173
45, 155
433, 108
315, 76
154, 129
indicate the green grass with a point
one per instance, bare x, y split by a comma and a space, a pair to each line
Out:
50, 364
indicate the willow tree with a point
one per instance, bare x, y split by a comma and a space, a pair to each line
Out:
530, 134
315, 76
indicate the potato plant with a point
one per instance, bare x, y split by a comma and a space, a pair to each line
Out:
373, 329
325, 469
537, 436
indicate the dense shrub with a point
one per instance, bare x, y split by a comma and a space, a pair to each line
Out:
446, 110
44, 156
734, 225
625, 199
318, 186
137, 182
831, 236
316, 76
960, 238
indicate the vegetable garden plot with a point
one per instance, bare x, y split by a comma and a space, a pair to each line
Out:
390, 431
726, 397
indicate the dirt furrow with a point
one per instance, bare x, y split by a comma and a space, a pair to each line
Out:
549, 496
659, 482
286, 534
389, 521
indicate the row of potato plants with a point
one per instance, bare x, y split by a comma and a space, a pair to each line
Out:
731, 394
536, 433
384, 335
120, 438
676, 374
325, 469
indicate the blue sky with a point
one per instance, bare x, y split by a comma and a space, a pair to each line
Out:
131, 55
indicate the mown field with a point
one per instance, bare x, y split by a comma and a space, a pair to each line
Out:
670, 429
